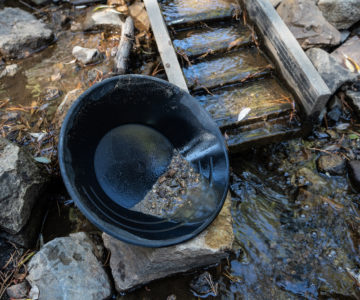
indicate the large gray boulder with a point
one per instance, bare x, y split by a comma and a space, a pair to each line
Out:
21, 184
132, 266
307, 23
340, 13
333, 73
67, 268
21, 33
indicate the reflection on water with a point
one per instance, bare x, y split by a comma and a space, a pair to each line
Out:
294, 230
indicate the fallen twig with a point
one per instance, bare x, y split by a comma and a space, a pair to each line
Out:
125, 45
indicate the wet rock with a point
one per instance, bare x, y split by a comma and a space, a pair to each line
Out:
355, 100
9, 70
28, 235
104, 19
351, 49
306, 177
354, 174
203, 285
68, 268
334, 114
65, 105
86, 55
21, 184
340, 13
18, 291
333, 164
21, 33
330, 70
52, 93
133, 265
307, 23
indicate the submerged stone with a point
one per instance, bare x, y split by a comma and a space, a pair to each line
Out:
132, 266
9, 71
21, 33
68, 268
86, 55
333, 164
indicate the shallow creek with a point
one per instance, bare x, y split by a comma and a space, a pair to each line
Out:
297, 230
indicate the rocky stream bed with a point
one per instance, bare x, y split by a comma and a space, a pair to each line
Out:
290, 227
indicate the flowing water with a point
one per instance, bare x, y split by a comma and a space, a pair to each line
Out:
296, 229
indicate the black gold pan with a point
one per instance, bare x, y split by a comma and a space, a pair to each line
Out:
118, 139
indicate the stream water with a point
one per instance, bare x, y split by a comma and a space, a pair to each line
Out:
296, 229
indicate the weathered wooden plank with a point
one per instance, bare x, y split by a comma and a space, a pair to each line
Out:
164, 44
293, 63
265, 98
179, 12
202, 41
230, 68
261, 133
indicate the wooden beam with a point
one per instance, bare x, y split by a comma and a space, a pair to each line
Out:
164, 44
291, 60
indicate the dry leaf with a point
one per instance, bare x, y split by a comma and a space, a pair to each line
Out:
243, 113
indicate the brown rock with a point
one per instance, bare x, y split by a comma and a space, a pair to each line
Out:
333, 164
140, 16
133, 265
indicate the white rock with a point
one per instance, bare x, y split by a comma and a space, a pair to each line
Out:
86, 55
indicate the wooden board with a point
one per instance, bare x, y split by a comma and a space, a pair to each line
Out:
292, 62
164, 44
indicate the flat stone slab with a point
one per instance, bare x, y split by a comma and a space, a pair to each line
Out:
21, 33
132, 266
67, 268
350, 48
